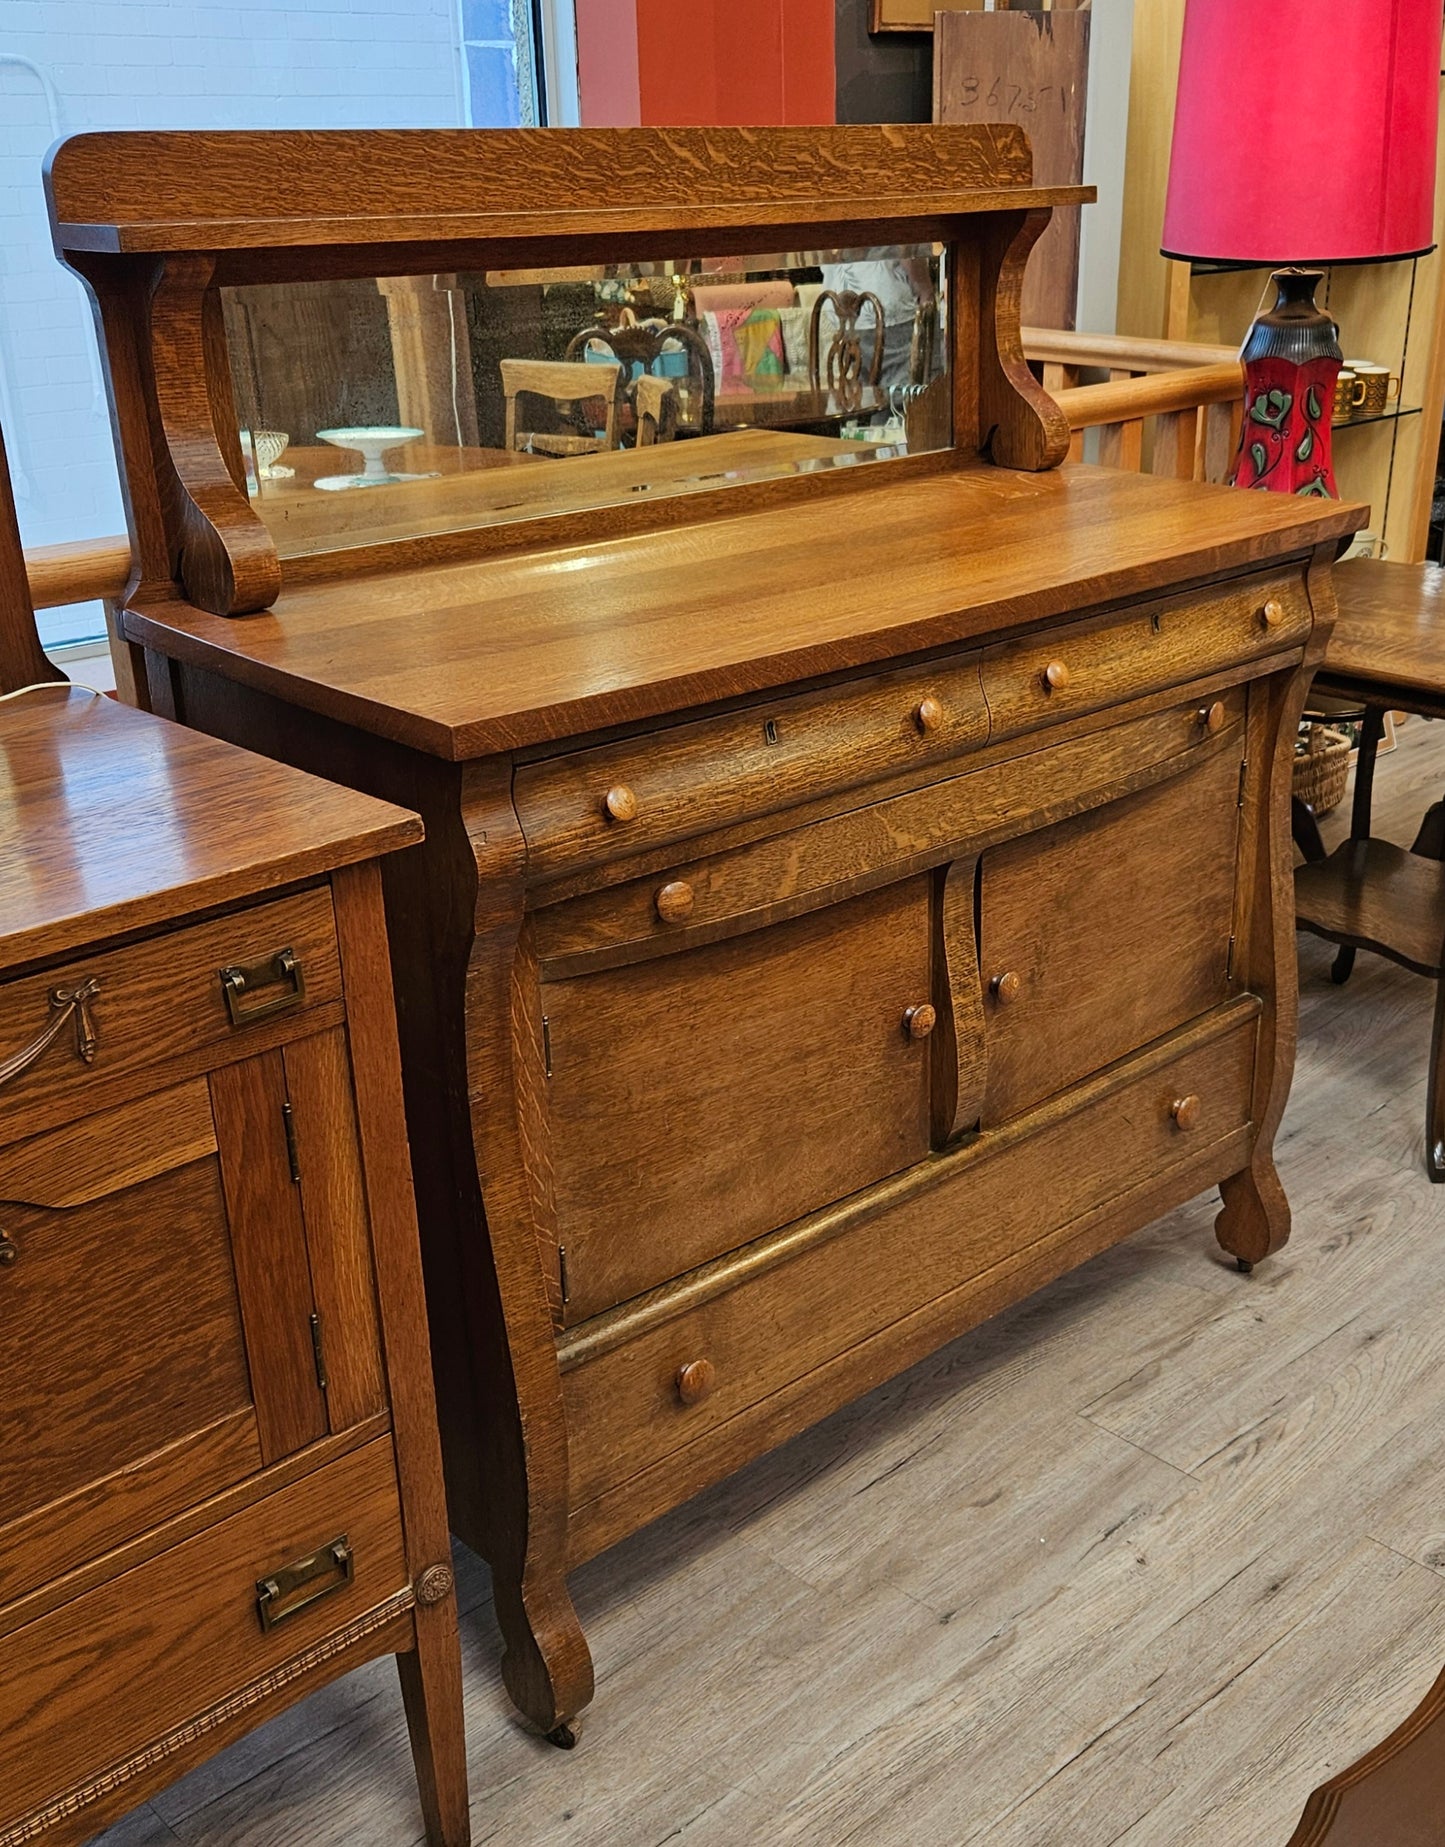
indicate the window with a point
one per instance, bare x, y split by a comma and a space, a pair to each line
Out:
68, 65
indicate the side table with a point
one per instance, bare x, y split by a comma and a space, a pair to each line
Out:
1387, 654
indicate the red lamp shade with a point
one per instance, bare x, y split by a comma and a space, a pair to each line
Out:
1305, 131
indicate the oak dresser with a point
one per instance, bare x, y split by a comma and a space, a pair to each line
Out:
220, 1485
856, 884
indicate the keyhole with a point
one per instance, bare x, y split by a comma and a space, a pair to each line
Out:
770, 731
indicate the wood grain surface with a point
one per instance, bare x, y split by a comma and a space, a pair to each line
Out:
120, 821
149, 190
1234, 1480
575, 640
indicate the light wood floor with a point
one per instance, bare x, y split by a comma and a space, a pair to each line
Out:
1135, 1565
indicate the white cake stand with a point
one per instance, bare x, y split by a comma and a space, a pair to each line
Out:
371, 442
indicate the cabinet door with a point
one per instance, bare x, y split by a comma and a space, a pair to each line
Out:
709, 1095
1100, 934
185, 1297
127, 1391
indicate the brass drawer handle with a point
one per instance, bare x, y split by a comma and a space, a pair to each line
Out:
239, 983
63, 1008
295, 1587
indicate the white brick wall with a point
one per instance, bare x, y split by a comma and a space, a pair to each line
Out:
164, 64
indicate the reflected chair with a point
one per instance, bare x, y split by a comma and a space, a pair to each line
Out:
655, 402
567, 386
841, 368
670, 350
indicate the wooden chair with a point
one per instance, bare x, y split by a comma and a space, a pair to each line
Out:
655, 401
567, 386
924, 343
841, 368
643, 344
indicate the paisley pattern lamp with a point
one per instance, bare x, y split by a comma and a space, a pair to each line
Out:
1304, 135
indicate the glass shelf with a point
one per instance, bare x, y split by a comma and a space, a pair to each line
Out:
1390, 414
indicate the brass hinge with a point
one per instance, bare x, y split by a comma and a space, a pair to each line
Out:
318, 1351
1229, 962
1243, 773
546, 1046
562, 1272
289, 1122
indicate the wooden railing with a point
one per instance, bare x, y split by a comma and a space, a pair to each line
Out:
1190, 393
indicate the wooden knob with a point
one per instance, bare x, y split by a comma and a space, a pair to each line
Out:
675, 901
919, 1022
1212, 717
696, 1380
9, 1249
930, 714
621, 803
1186, 1111
1056, 677
1272, 614
1006, 987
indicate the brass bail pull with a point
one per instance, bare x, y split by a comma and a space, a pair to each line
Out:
64, 1007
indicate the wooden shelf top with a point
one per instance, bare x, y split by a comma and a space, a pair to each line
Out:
463, 659
1371, 894
112, 820
147, 190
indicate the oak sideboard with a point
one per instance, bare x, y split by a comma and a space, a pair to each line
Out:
856, 879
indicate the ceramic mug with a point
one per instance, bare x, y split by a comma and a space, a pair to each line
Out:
1380, 386
1349, 390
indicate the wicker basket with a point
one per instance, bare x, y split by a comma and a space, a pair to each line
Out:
1321, 766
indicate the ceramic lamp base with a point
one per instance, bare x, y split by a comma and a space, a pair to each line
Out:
1291, 360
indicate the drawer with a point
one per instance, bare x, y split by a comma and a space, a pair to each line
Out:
95, 1022
1106, 931
644, 791
706, 1097
1041, 679
124, 1667
971, 1210
793, 870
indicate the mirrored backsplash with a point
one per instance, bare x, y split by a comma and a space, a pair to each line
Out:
401, 406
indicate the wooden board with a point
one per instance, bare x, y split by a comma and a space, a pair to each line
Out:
462, 659
1033, 69
916, 15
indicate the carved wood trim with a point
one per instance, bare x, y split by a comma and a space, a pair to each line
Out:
547, 1666
228, 562
958, 1040
1020, 424
257, 1694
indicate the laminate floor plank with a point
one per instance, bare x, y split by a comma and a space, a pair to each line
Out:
1137, 1564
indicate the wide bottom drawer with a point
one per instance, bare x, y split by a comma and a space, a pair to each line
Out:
121, 1671
633, 1401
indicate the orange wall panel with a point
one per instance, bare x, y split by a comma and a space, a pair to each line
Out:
737, 63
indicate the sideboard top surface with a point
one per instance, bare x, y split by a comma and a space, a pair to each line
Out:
464, 659
113, 820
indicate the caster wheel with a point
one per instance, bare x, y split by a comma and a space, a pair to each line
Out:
1243, 1265
563, 1737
